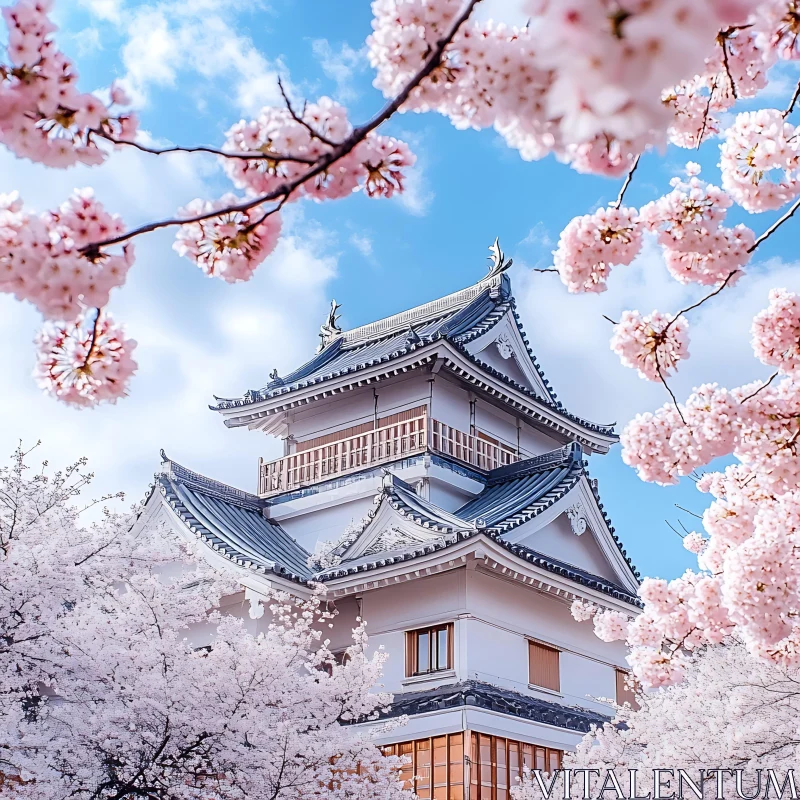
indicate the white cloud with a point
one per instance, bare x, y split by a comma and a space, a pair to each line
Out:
538, 236
109, 10
569, 334
362, 243
196, 336
340, 65
164, 40
418, 195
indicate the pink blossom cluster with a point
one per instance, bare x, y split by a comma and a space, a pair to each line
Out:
760, 160
737, 69
590, 245
290, 145
582, 80
43, 116
41, 257
229, 246
688, 224
672, 441
776, 331
777, 23
85, 362
653, 344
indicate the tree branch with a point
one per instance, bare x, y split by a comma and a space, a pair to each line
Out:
792, 102
627, 182
298, 118
763, 386
344, 148
775, 225
160, 151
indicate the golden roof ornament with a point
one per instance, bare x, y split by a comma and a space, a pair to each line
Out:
329, 329
498, 259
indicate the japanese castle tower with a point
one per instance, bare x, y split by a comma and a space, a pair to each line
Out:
429, 453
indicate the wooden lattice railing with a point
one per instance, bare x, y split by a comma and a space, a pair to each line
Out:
389, 442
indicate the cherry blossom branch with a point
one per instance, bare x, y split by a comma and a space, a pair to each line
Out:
792, 102
707, 112
160, 151
763, 386
283, 191
627, 182
722, 38
666, 385
775, 225
90, 351
298, 118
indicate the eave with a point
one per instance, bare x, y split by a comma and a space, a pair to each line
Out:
261, 415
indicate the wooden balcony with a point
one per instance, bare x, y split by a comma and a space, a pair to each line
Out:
390, 442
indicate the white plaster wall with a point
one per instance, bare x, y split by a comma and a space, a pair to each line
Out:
450, 404
327, 523
558, 540
536, 442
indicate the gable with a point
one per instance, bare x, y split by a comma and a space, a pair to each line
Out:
575, 530
558, 540
504, 349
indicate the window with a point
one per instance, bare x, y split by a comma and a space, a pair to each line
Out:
429, 650
496, 764
543, 666
436, 767
624, 693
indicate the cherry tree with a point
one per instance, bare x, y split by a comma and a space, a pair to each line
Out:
122, 679
746, 720
594, 83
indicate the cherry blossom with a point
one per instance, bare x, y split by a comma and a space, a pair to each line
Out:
85, 362
778, 25
42, 257
759, 159
44, 117
776, 332
731, 710
653, 344
232, 245
290, 143
590, 245
120, 670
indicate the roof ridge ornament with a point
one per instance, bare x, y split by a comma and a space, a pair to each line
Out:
498, 259
329, 329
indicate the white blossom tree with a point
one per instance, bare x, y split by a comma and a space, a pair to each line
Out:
732, 712
105, 693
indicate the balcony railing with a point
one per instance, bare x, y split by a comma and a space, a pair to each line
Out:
381, 445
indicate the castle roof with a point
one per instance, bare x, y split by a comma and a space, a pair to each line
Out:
414, 337
234, 525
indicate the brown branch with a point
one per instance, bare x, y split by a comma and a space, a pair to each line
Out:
763, 386
609, 319
95, 326
160, 151
790, 107
666, 386
722, 37
701, 301
287, 188
775, 225
705, 116
543, 269
627, 182
298, 118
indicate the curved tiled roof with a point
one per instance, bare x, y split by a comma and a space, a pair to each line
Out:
232, 523
458, 327
493, 698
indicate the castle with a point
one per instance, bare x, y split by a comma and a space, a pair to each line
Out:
433, 482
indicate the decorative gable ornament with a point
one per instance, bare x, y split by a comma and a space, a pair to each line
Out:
577, 518
504, 346
329, 329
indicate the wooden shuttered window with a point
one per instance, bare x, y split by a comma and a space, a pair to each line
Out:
624, 693
543, 666
429, 649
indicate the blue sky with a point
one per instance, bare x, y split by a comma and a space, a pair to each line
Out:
197, 66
